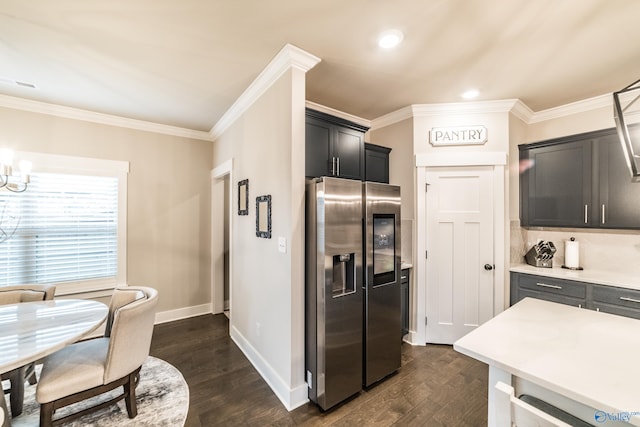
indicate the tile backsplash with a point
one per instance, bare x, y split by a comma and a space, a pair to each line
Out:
406, 241
605, 250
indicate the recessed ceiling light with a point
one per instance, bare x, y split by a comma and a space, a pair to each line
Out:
470, 94
390, 39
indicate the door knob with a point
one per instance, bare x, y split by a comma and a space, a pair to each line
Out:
488, 267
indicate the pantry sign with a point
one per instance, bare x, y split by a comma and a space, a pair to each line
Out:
458, 135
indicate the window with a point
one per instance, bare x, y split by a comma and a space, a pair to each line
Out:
68, 228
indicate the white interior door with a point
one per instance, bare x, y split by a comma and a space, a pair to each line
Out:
460, 251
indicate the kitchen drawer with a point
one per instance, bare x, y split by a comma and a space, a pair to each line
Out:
615, 309
620, 301
548, 296
549, 285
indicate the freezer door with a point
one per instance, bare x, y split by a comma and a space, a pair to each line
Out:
383, 323
334, 290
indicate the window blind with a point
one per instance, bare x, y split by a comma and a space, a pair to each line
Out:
64, 228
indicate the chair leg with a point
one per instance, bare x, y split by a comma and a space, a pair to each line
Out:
16, 396
46, 414
130, 395
30, 373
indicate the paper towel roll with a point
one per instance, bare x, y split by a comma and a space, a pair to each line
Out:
571, 254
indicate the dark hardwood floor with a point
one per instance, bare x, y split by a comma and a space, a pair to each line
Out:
436, 386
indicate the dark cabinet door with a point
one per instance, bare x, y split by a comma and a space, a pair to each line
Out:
619, 201
556, 185
348, 150
376, 163
334, 147
318, 147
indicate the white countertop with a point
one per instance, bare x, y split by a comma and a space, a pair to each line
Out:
405, 265
609, 278
588, 356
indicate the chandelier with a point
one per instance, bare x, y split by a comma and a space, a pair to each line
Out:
6, 172
626, 112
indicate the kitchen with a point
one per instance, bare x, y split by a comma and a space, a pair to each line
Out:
405, 131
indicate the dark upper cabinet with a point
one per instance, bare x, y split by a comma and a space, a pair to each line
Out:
376, 163
556, 185
578, 181
619, 195
334, 147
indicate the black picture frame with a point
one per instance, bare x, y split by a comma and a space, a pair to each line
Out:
263, 216
243, 197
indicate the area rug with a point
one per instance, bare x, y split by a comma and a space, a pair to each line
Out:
162, 396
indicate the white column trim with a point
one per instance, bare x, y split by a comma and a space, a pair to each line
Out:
461, 158
218, 173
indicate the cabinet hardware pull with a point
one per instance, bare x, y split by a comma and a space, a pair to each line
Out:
338, 162
544, 285
586, 214
630, 299
603, 214
403, 277
333, 166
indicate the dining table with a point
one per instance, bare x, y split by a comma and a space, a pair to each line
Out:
30, 331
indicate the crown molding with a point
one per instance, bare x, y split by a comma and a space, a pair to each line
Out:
480, 107
601, 101
521, 111
288, 57
514, 106
393, 117
338, 113
432, 110
100, 118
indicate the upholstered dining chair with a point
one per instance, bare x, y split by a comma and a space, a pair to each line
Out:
17, 377
95, 366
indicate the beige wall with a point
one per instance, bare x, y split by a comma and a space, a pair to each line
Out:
517, 135
600, 118
267, 307
168, 196
399, 137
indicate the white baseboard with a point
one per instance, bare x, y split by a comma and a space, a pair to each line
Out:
183, 313
414, 339
290, 398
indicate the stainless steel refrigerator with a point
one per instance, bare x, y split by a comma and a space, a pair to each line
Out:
353, 325
382, 311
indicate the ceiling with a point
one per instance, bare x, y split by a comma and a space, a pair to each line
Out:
184, 63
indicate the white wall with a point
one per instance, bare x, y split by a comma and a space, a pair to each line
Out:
168, 198
266, 144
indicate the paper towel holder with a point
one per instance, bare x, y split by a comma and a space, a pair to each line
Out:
572, 268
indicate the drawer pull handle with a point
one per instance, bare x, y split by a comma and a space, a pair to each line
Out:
630, 299
544, 285
403, 277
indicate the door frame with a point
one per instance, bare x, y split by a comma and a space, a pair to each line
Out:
497, 159
218, 175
